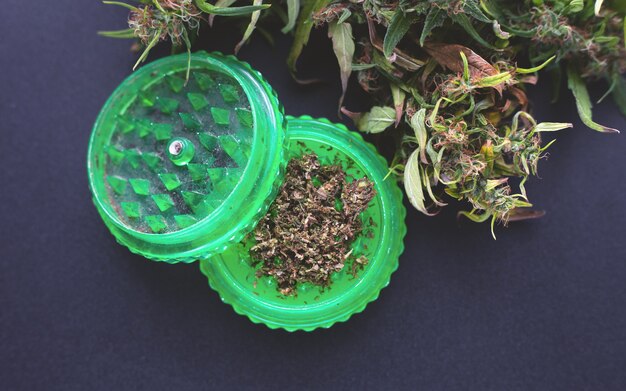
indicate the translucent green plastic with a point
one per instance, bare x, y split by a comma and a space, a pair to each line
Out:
232, 273
180, 170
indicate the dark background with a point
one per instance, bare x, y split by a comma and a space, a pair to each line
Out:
543, 307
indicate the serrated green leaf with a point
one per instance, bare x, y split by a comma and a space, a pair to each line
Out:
343, 46
419, 128
551, 126
377, 119
398, 27
472, 8
466, 23
435, 18
413, 183
576, 84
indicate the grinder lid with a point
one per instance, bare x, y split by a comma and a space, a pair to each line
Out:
179, 170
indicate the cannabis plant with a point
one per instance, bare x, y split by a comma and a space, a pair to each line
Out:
444, 77
153, 21
445, 73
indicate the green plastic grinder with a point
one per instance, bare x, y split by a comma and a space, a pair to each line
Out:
180, 169
232, 273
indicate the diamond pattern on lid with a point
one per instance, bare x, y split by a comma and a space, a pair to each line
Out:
140, 186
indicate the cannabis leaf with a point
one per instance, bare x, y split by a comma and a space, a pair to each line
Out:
435, 18
124, 34
343, 46
220, 3
413, 183
472, 8
229, 11
458, 130
619, 92
419, 128
447, 55
158, 20
293, 8
551, 126
376, 120
399, 96
251, 26
303, 30
466, 23
583, 103
398, 27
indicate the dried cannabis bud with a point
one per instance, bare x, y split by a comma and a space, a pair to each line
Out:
445, 74
307, 233
157, 20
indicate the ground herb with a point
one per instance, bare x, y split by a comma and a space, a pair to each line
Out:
308, 232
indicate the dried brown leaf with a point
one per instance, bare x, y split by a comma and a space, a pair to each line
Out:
448, 56
520, 96
519, 214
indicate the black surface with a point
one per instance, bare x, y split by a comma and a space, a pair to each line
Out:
543, 307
